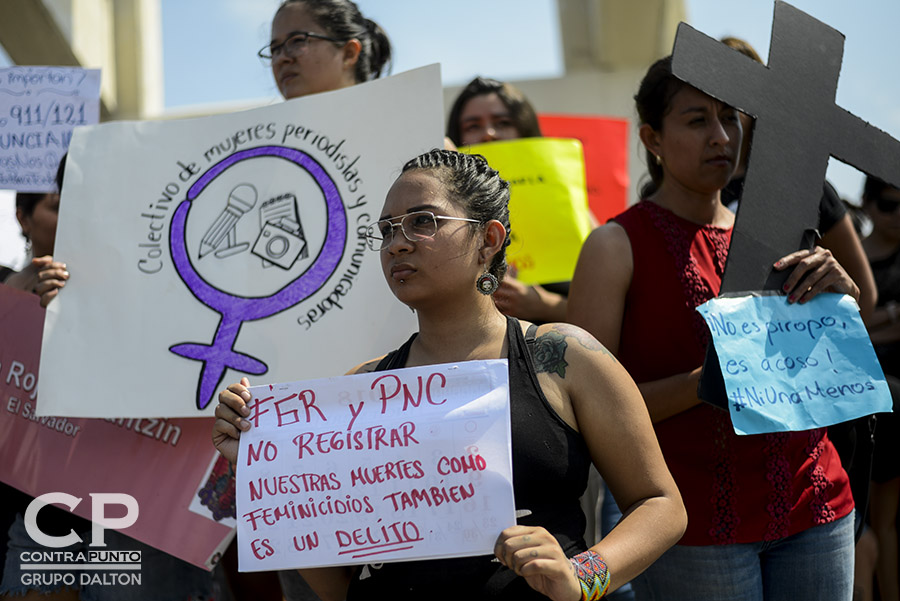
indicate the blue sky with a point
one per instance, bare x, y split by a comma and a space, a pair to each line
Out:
511, 39
868, 87
495, 37
210, 47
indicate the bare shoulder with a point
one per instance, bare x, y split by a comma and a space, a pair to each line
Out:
366, 367
557, 346
608, 238
605, 261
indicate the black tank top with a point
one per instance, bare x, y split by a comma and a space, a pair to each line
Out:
550, 470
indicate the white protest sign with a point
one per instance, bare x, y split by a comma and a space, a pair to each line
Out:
39, 108
204, 250
388, 466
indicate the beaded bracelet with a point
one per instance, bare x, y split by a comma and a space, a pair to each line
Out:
592, 574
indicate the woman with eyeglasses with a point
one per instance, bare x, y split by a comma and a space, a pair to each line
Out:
324, 45
442, 237
881, 202
770, 516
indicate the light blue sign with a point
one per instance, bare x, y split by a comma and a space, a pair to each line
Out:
791, 367
39, 108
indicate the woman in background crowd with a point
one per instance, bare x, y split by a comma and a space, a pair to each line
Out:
37, 214
488, 110
881, 203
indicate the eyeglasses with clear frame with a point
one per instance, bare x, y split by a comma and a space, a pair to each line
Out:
293, 46
416, 226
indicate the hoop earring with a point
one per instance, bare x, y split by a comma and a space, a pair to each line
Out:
487, 283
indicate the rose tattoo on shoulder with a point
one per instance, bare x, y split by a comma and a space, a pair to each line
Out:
550, 353
550, 348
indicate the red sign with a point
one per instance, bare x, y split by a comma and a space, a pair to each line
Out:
160, 462
605, 141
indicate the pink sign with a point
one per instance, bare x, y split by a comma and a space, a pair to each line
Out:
162, 463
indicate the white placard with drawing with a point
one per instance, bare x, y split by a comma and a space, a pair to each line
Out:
204, 250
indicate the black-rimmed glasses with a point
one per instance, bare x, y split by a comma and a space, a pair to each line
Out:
293, 46
416, 226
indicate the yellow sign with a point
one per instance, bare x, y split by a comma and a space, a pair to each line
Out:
548, 204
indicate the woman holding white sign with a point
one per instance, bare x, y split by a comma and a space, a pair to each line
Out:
442, 238
770, 515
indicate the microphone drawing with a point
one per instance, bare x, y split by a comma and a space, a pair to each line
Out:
224, 228
235, 309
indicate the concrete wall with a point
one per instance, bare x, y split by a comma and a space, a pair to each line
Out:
607, 47
121, 37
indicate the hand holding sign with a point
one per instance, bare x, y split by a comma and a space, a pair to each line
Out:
384, 466
813, 272
536, 555
230, 411
52, 276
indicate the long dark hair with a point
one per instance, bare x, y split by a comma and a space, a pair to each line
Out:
341, 19
520, 110
653, 101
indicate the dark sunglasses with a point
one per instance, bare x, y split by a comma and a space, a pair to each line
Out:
887, 205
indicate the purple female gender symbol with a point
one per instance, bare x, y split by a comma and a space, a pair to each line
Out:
220, 355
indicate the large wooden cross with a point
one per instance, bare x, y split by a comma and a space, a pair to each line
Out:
798, 126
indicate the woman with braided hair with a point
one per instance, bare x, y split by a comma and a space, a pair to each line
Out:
442, 238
